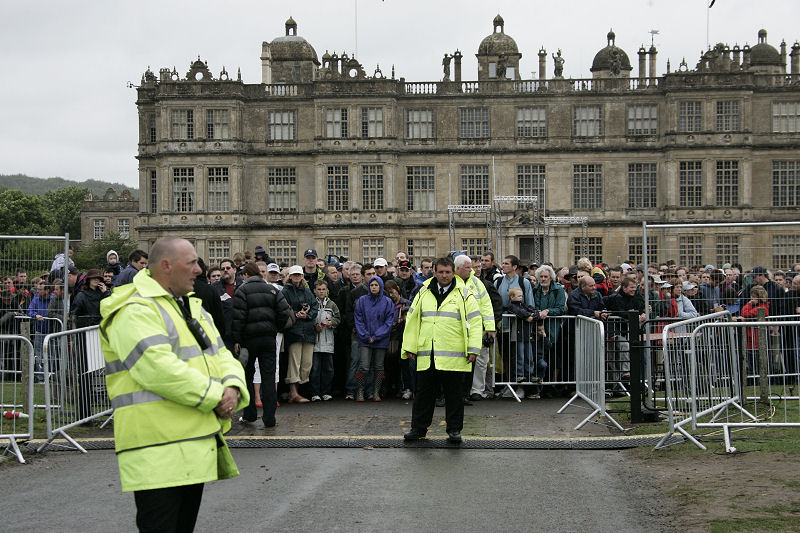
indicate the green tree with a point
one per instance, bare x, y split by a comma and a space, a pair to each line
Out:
94, 255
63, 208
22, 214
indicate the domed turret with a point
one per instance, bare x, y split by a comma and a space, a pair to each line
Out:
611, 60
498, 54
289, 58
763, 53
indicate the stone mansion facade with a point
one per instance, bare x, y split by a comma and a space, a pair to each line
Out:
323, 155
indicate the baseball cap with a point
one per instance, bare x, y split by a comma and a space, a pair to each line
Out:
404, 264
688, 285
272, 267
295, 269
380, 262
709, 267
625, 267
656, 279
310, 252
640, 267
72, 270
759, 270
666, 285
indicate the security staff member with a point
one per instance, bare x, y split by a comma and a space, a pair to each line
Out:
476, 383
443, 333
174, 387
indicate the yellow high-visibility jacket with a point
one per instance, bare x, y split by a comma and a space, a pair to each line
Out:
484, 301
450, 331
164, 388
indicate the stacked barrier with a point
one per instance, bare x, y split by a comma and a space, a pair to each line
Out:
765, 354
678, 363
16, 392
590, 369
75, 363
556, 367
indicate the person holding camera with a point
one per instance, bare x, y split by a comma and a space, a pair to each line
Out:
302, 336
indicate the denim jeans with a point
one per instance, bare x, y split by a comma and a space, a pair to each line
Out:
321, 373
355, 362
524, 359
370, 356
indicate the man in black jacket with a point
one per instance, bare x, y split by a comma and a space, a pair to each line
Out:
260, 311
209, 296
226, 287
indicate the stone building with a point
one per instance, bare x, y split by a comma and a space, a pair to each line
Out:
112, 213
322, 155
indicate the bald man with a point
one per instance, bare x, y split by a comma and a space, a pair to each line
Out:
174, 387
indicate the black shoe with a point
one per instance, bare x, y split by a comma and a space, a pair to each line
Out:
454, 437
467, 401
475, 397
439, 402
415, 434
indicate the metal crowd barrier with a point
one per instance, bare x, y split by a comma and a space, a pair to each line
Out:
678, 361
590, 369
617, 355
556, 367
745, 374
16, 421
75, 363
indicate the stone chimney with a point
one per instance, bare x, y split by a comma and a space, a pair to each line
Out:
652, 52
457, 66
746, 57
737, 57
795, 59
542, 63
783, 54
642, 63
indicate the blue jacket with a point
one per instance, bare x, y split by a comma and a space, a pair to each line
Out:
579, 304
374, 317
39, 307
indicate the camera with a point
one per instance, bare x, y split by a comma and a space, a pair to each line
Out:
488, 341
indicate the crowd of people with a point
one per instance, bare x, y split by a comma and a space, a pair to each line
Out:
319, 330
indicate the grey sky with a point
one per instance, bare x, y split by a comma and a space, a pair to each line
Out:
66, 110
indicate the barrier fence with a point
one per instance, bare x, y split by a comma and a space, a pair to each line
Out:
16, 422
549, 360
678, 371
75, 394
590, 369
745, 374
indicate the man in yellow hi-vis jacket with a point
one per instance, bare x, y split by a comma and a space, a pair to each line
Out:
173, 386
443, 333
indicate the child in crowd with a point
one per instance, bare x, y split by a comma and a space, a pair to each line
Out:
758, 300
328, 319
525, 317
541, 347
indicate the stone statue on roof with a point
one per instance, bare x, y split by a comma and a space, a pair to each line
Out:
446, 66
558, 71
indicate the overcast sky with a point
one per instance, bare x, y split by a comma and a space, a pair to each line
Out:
66, 110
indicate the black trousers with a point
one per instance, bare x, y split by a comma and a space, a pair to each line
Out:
428, 383
264, 351
172, 509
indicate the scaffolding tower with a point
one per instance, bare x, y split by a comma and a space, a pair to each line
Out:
474, 209
568, 221
529, 203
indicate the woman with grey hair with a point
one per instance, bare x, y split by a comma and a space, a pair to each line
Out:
551, 301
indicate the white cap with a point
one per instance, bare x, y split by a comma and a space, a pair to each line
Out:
296, 269
380, 262
272, 267
625, 267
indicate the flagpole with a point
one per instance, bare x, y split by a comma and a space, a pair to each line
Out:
708, 26
355, 27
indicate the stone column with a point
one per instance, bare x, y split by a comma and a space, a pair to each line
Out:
642, 65
652, 73
542, 64
457, 66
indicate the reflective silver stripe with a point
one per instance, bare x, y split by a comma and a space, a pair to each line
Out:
112, 367
138, 350
441, 353
466, 292
472, 349
210, 381
189, 352
473, 315
448, 314
488, 318
481, 293
232, 376
172, 331
133, 398
218, 380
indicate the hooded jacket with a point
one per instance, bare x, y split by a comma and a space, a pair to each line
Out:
374, 316
303, 329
